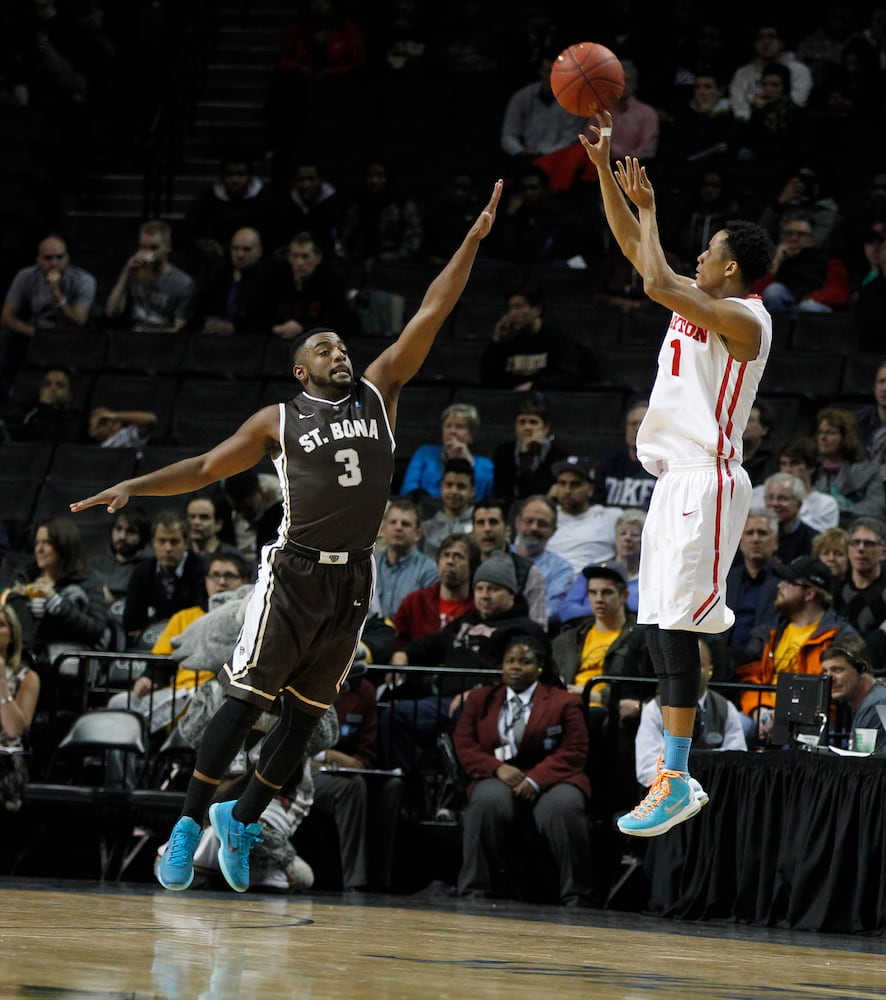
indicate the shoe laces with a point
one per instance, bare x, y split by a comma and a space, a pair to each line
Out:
182, 844
248, 837
658, 792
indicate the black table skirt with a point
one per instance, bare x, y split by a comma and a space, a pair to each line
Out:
790, 839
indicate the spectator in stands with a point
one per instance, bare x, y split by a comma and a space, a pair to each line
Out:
823, 46
701, 131
162, 686
381, 222
65, 596
315, 207
869, 305
523, 465
234, 299
151, 294
751, 584
19, 693
718, 724
304, 291
619, 479
832, 547
53, 417
121, 428
776, 129
635, 131
535, 520
585, 532
806, 625
607, 640
535, 127
525, 353
849, 665
535, 226
50, 293
872, 420
705, 209
205, 521
237, 199
799, 457
490, 532
865, 211
843, 471
758, 459
803, 278
448, 211
459, 423
769, 47
862, 597
129, 540
256, 508
456, 513
366, 813
400, 566
523, 744
428, 609
784, 495
468, 641
803, 193
628, 537
169, 580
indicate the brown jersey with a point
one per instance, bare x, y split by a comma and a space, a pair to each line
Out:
335, 468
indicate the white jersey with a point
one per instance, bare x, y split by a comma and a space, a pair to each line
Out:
702, 396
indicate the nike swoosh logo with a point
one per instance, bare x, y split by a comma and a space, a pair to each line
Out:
689, 513
305, 416
673, 807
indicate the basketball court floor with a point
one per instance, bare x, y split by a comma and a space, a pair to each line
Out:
76, 940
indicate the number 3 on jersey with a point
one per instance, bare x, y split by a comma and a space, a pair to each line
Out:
352, 476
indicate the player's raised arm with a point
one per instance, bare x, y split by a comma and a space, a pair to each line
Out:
241, 451
402, 360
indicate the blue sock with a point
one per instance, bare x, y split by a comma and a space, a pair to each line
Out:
677, 753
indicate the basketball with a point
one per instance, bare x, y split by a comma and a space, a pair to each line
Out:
587, 78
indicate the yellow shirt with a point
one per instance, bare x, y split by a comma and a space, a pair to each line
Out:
185, 677
593, 652
792, 639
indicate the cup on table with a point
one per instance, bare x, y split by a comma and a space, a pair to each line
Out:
865, 740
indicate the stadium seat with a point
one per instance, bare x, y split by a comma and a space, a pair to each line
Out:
238, 355
122, 391
79, 349
145, 353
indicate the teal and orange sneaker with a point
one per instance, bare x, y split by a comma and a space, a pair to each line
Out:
671, 800
175, 869
235, 841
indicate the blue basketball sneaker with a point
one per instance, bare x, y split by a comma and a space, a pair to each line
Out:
235, 841
175, 869
670, 800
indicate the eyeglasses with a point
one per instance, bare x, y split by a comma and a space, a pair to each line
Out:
797, 232
864, 543
223, 577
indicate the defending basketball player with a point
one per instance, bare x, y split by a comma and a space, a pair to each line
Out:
333, 448
709, 366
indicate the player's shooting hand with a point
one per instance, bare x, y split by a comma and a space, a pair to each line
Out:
598, 152
115, 497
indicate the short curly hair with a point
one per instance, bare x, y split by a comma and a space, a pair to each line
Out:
751, 246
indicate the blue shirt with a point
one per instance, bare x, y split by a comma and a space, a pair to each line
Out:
396, 580
425, 472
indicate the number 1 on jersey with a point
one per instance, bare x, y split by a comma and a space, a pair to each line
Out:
675, 361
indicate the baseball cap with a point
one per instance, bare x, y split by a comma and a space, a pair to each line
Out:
806, 568
575, 463
498, 569
605, 573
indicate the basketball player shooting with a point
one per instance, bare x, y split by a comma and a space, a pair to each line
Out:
709, 367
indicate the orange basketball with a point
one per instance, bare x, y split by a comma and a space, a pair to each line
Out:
587, 78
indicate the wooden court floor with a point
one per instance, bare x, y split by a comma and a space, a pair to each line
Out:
73, 941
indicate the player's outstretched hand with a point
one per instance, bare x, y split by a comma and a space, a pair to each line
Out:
598, 152
484, 222
115, 497
633, 181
